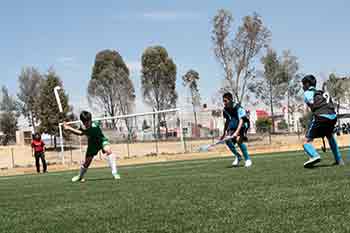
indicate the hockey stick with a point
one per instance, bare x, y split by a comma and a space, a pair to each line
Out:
208, 147
323, 147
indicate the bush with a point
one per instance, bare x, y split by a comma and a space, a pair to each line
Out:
282, 125
305, 120
263, 125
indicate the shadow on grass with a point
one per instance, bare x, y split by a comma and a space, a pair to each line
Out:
99, 179
321, 166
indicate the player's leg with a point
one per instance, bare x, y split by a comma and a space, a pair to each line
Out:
231, 145
43, 161
37, 164
83, 169
111, 158
314, 131
243, 147
335, 150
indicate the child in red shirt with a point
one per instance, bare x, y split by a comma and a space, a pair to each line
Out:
38, 148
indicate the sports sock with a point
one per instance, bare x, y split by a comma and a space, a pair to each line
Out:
83, 170
232, 147
310, 150
244, 150
112, 163
334, 147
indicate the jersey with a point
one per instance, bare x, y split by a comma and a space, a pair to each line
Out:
320, 103
96, 138
233, 115
38, 146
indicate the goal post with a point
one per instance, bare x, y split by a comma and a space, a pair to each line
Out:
147, 133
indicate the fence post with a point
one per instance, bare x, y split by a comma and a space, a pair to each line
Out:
71, 153
155, 134
12, 158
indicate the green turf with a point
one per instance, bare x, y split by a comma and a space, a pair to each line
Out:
276, 195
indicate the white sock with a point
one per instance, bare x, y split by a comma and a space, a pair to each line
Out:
112, 163
83, 170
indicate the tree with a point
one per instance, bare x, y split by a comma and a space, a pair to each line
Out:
190, 79
270, 89
337, 89
110, 88
263, 125
305, 120
289, 69
145, 125
49, 116
8, 115
236, 56
29, 94
8, 125
282, 125
7, 103
158, 80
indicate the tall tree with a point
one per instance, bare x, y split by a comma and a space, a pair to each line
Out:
190, 79
347, 94
271, 87
49, 116
110, 88
8, 103
237, 55
158, 80
337, 88
8, 115
289, 69
29, 94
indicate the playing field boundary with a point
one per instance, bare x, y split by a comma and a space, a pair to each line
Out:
173, 162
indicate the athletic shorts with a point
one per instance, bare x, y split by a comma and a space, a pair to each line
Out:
242, 133
320, 127
94, 148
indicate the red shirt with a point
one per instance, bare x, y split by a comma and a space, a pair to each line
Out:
38, 146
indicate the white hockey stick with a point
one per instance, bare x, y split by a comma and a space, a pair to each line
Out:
208, 147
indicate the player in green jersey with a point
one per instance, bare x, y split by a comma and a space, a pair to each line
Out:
96, 142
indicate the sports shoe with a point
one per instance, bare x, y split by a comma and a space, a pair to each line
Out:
77, 178
312, 161
248, 163
116, 176
235, 163
339, 163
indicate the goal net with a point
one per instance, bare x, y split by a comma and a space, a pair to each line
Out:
141, 134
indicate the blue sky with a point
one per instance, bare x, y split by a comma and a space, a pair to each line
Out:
67, 35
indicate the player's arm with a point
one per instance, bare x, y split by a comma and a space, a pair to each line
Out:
240, 124
32, 149
44, 149
309, 98
72, 130
225, 129
241, 113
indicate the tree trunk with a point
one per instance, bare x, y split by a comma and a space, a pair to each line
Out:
55, 142
272, 118
32, 121
195, 121
288, 108
271, 109
158, 126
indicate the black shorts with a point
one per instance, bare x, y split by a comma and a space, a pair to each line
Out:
320, 127
242, 134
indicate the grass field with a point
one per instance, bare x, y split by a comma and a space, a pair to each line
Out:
276, 195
